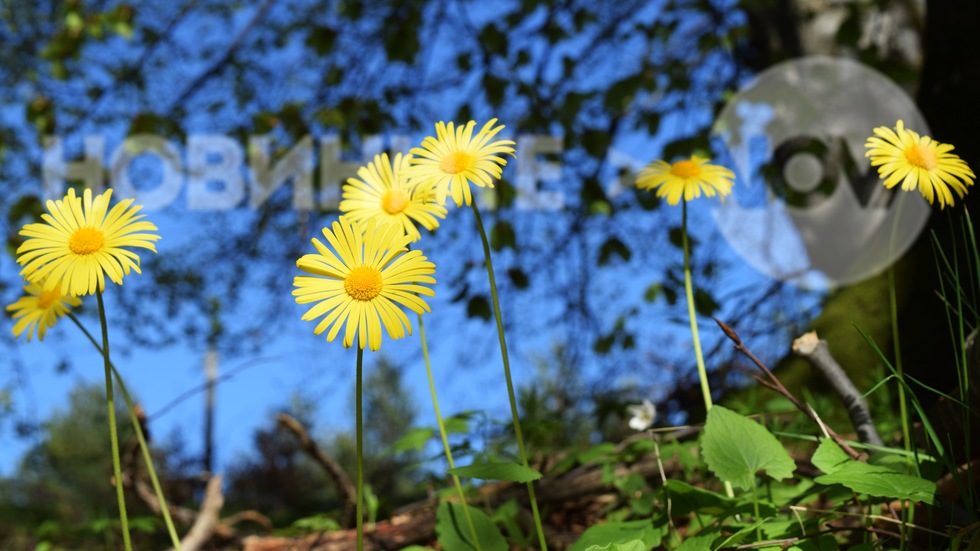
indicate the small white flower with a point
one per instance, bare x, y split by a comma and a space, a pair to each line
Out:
643, 415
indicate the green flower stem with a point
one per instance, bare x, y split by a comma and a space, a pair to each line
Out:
903, 413
360, 450
689, 291
442, 433
113, 436
510, 383
902, 407
893, 308
164, 508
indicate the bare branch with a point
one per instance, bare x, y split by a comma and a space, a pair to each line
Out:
777, 385
340, 479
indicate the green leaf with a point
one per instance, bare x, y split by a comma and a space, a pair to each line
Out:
413, 440
829, 457
519, 278
619, 533
701, 541
676, 236
635, 545
493, 39
497, 471
453, 530
685, 499
704, 303
604, 343
321, 39
880, 482
874, 480
316, 523
611, 247
458, 424
595, 142
736, 447
478, 307
654, 290
502, 235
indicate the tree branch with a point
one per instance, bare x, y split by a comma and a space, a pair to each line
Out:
340, 479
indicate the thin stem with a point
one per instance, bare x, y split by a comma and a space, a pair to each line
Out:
442, 433
360, 450
698, 355
896, 342
164, 508
893, 308
689, 290
506, 361
113, 436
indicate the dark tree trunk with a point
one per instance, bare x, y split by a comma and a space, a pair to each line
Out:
949, 94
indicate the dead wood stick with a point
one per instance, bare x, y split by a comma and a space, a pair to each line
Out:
816, 352
336, 473
207, 520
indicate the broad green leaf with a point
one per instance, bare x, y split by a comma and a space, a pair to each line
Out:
453, 530
829, 457
874, 480
497, 471
619, 533
635, 545
735, 448
880, 482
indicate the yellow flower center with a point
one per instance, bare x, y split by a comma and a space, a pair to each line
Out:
395, 201
922, 157
685, 169
86, 241
363, 283
47, 299
457, 162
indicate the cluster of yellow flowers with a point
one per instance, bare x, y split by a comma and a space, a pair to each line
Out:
370, 272
367, 274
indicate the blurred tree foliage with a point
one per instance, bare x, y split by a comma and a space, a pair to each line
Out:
61, 491
280, 480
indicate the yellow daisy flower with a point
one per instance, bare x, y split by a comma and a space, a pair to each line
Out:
81, 241
383, 191
902, 155
363, 281
38, 310
455, 158
687, 178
